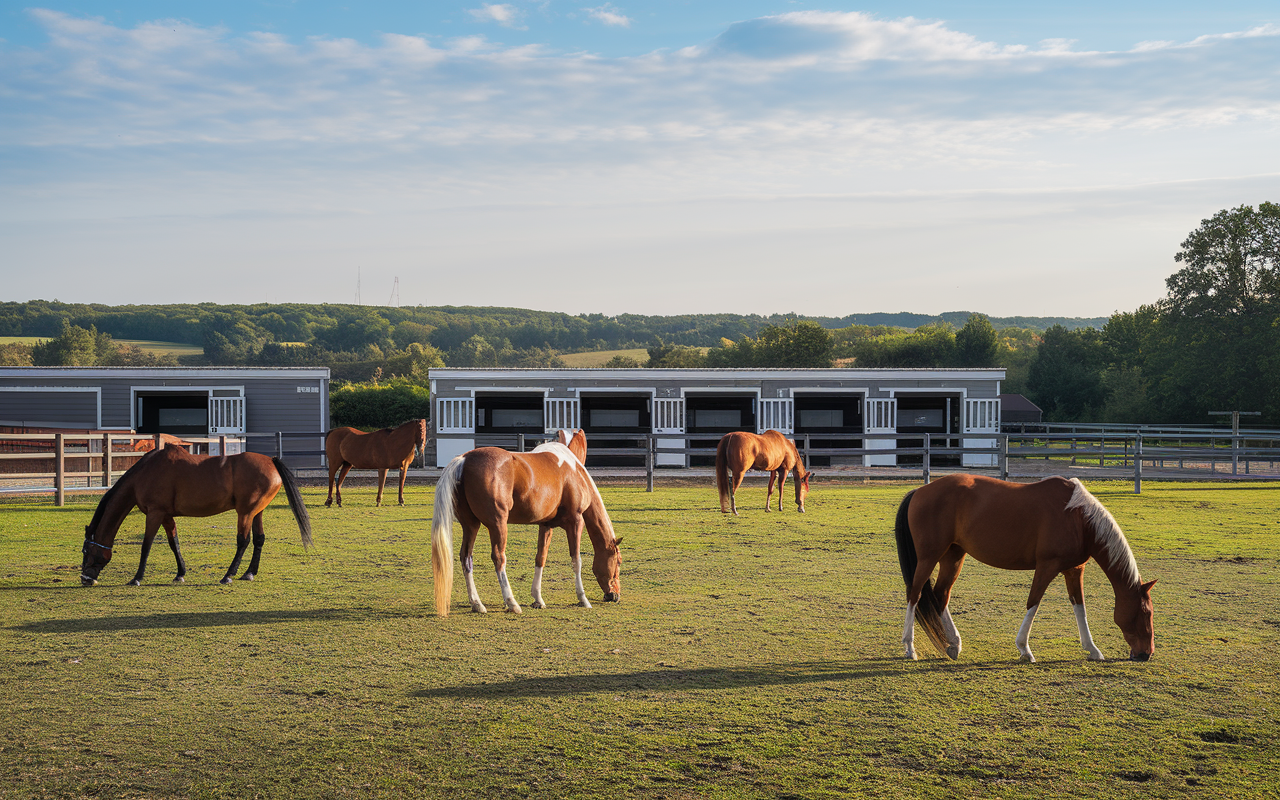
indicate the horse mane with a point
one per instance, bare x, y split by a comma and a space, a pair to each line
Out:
562, 451
1106, 530
115, 489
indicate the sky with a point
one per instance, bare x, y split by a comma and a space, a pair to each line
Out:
665, 157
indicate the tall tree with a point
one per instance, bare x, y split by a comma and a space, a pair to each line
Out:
977, 344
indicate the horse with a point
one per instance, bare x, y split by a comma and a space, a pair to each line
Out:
548, 487
381, 450
170, 482
1053, 526
740, 451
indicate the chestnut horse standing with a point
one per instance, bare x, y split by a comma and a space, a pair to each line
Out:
170, 482
548, 487
389, 448
740, 451
1053, 526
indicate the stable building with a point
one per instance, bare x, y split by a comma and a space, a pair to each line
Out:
195, 402
693, 408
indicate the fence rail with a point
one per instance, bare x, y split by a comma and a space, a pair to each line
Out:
95, 460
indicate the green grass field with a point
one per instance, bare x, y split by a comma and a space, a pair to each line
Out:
598, 358
174, 348
752, 657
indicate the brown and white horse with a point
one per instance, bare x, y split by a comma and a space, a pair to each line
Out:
1053, 527
740, 451
389, 448
548, 487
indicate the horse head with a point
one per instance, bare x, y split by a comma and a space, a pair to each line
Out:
607, 565
802, 488
576, 441
96, 556
1135, 618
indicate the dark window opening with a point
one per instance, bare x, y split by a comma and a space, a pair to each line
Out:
174, 413
615, 414
509, 414
718, 414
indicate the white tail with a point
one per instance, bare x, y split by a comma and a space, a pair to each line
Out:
442, 533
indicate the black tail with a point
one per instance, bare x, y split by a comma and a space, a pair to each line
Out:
722, 474
298, 507
928, 610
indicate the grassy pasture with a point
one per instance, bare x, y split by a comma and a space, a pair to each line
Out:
749, 657
173, 348
598, 358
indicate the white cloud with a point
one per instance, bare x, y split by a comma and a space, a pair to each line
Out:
504, 14
609, 14
422, 148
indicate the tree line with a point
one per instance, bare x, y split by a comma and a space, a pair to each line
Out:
1213, 343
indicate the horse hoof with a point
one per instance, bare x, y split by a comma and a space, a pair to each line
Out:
179, 579
584, 604
479, 609
134, 582
1030, 659
953, 652
1097, 657
248, 576
538, 604
226, 581
514, 609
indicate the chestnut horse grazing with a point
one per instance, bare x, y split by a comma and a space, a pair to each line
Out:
170, 482
548, 487
389, 448
1053, 527
740, 451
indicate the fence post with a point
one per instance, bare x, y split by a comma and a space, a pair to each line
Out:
1235, 454
806, 451
1004, 457
649, 458
1137, 462
926, 458
519, 442
280, 445
59, 471
106, 460
157, 442
222, 446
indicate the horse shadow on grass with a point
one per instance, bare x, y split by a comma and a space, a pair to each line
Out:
713, 678
202, 619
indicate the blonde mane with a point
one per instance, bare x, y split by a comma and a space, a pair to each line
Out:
1106, 530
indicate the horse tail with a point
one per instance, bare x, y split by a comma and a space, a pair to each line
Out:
442, 532
722, 475
928, 609
298, 507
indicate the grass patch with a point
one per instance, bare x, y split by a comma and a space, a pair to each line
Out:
749, 657
598, 358
174, 348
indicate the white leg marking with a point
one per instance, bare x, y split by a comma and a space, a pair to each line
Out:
1024, 650
953, 635
508, 599
1086, 638
473, 595
909, 632
537, 588
577, 582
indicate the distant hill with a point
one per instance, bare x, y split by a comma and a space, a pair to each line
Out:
906, 319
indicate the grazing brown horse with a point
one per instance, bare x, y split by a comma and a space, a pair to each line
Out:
1053, 527
170, 482
740, 451
389, 448
549, 488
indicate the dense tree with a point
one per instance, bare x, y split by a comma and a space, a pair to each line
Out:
977, 344
1066, 378
798, 344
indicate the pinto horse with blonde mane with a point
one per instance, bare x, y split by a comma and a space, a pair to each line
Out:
170, 482
740, 451
548, 487
389, 448
1053, 526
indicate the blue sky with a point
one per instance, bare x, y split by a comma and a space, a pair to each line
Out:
664, 157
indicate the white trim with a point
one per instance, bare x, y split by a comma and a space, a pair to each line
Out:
96, 390
939, 390
618, 390
321, 373
728, 374
542, 390
864, 390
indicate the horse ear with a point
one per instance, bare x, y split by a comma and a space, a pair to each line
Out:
617, 541
1146, 587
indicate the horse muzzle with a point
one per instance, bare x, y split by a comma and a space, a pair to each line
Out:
1136, 656
612, 597
85, 580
